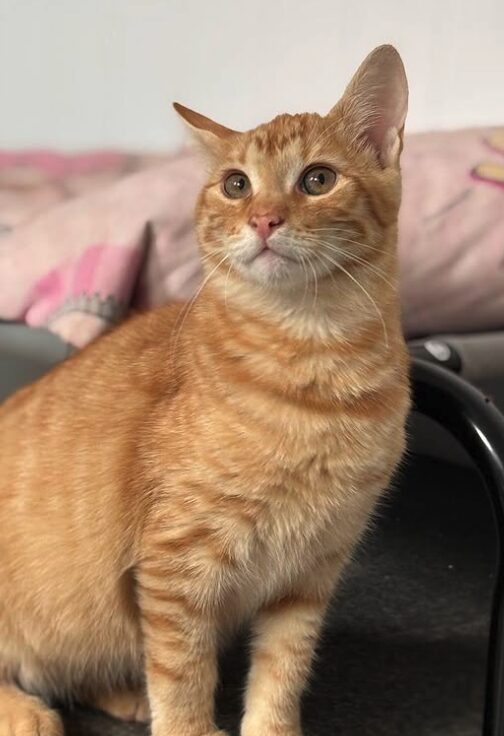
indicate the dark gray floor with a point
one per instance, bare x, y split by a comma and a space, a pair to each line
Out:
405, 644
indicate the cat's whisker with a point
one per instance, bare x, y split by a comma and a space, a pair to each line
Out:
315, 293
302, 260
374, 269
209, 258
362, 262
306, 261
185, 312
341, 234
364, 290
305, 274
335, 246
226, 283
356, 259
347, 240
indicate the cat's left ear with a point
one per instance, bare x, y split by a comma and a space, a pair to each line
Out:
375, 104
207, 133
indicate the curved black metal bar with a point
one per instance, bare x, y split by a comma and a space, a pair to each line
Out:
479, 427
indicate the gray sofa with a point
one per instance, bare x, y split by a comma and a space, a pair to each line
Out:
25, 354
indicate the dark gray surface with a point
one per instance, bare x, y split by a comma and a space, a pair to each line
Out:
405, 643
26, 353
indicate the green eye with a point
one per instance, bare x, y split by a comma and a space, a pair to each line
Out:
237, 185
317, 180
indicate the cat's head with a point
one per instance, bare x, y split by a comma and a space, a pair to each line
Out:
305, 196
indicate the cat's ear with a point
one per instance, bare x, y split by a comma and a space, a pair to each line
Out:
208, 135
375, 104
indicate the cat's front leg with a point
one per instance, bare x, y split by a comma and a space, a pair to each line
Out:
285, 636
180, 643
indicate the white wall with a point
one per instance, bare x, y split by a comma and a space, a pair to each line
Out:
80, 73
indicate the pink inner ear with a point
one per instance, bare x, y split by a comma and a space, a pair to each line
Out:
376, 134
377, 99
390, 105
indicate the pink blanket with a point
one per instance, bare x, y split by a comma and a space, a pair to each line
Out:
84, 238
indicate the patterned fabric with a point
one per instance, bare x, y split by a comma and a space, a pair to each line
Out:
85, 237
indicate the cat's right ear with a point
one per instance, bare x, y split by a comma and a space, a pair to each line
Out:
375, 103
207, 134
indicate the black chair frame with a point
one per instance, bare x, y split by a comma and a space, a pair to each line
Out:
476, 423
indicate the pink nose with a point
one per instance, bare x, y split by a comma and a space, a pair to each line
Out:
265, 224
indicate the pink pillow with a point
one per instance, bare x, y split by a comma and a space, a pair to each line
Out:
451, 232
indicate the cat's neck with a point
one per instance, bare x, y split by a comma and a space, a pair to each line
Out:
334, 311
291, 349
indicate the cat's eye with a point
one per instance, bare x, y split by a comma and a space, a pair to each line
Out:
237, 185
317, 180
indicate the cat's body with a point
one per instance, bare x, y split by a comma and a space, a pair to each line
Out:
199, 468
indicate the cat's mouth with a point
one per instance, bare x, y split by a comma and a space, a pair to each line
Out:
271, 260
267, 252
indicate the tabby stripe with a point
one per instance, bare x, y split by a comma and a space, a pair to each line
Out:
158, 668
160, 621
172, 599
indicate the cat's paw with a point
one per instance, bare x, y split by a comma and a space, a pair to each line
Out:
249, 729
191, 733
29, 720
275, 730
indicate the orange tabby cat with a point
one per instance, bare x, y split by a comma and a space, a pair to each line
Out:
204, 466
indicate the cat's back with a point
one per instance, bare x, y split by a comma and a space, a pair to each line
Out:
131, 360
74, 432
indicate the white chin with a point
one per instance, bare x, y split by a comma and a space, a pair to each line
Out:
272, 268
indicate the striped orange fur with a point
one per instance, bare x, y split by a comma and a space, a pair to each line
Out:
211, 464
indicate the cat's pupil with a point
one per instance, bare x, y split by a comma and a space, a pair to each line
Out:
321, 178
240, 183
